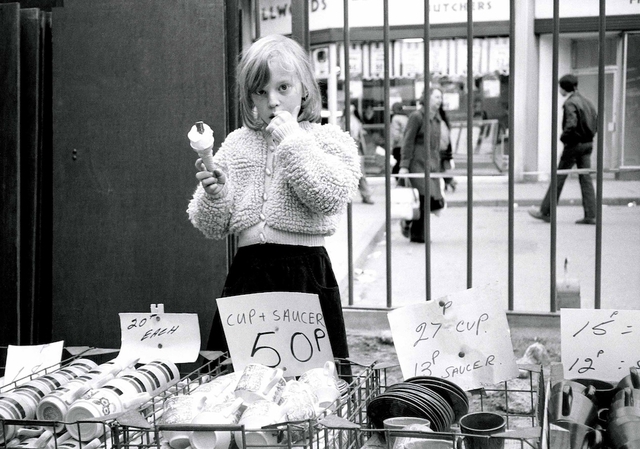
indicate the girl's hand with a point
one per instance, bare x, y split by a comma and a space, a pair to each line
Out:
213, 183
403, 171
283, 118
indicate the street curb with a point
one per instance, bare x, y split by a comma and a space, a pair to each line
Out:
374, 320
530, 203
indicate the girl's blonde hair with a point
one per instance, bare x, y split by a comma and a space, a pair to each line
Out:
254, 73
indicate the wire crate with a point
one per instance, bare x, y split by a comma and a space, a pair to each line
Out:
34, 431
347, 427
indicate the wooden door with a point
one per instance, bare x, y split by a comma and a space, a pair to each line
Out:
130, 78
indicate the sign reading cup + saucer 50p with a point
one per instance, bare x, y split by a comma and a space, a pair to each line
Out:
463, 337
278, 329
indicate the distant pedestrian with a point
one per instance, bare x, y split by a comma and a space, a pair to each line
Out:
416, 153
579, 125
399, 121
358, 133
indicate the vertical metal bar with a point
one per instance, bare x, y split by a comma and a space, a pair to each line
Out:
512, 90
602, 25
300, 22
347, 124
233, 44
387, 153
554, 153
470, 88
426, 210
256, 15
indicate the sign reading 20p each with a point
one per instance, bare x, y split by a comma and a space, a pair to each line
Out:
599, 343
278, 329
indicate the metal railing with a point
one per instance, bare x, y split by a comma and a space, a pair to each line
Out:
301, 33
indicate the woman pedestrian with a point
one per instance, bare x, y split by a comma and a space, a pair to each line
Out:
414, 155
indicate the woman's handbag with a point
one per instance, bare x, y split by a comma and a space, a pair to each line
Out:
405, 202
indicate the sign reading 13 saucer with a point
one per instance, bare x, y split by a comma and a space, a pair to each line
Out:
278, 329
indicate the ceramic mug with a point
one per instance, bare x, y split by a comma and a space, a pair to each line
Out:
422, 442
571, 406
257, 415
259, 382
482, 424
298, 401
102, 403
180, 409
219, 390
218, 414
604, 391
578, 436
324, 383
407, 423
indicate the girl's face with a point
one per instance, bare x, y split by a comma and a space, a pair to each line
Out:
283, 92
436, 99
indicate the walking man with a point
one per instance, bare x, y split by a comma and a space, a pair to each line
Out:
579, 125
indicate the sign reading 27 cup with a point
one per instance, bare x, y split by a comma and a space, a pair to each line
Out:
277, 329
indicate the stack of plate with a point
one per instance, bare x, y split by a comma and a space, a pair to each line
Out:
440, 401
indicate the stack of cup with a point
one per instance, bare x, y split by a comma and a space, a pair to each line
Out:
118, 395
55, 405
22, 402
573, 407
623, 420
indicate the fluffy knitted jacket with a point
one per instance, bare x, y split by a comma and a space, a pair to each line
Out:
315, 173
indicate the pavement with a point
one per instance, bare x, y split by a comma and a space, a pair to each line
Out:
576, 244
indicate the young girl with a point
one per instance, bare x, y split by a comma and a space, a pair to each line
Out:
280, 184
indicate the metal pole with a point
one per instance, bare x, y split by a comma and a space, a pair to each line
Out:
600, 151
512, 90
387, 153
554, 153
300, 22
470, 88
426, 210
347, 125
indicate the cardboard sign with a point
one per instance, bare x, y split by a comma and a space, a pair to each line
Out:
278, 329
463, 337
599, 344
23, 361
166, 336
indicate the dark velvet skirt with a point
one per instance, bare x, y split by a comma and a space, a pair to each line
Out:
285, 268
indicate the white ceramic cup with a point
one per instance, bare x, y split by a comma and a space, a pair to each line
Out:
257, 415
324, 384
219, 390
259, 382
218, 414
180, 409
298, 401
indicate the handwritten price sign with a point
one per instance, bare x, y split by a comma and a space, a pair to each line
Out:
25, 361
599, 344
462, 337
280, 329
167, 336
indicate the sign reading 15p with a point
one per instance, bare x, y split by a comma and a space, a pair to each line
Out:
278, 329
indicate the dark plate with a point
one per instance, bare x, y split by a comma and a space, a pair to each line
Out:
452, 393
426, 407
431, 398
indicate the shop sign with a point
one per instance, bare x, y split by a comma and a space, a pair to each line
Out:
599, 343
278, 329
23, 361
275, 15
586, 8
160, 336
463, 337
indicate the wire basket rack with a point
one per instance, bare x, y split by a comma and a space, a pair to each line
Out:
346, 427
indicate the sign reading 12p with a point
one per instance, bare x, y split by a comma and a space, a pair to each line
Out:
278, 329
599, 343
